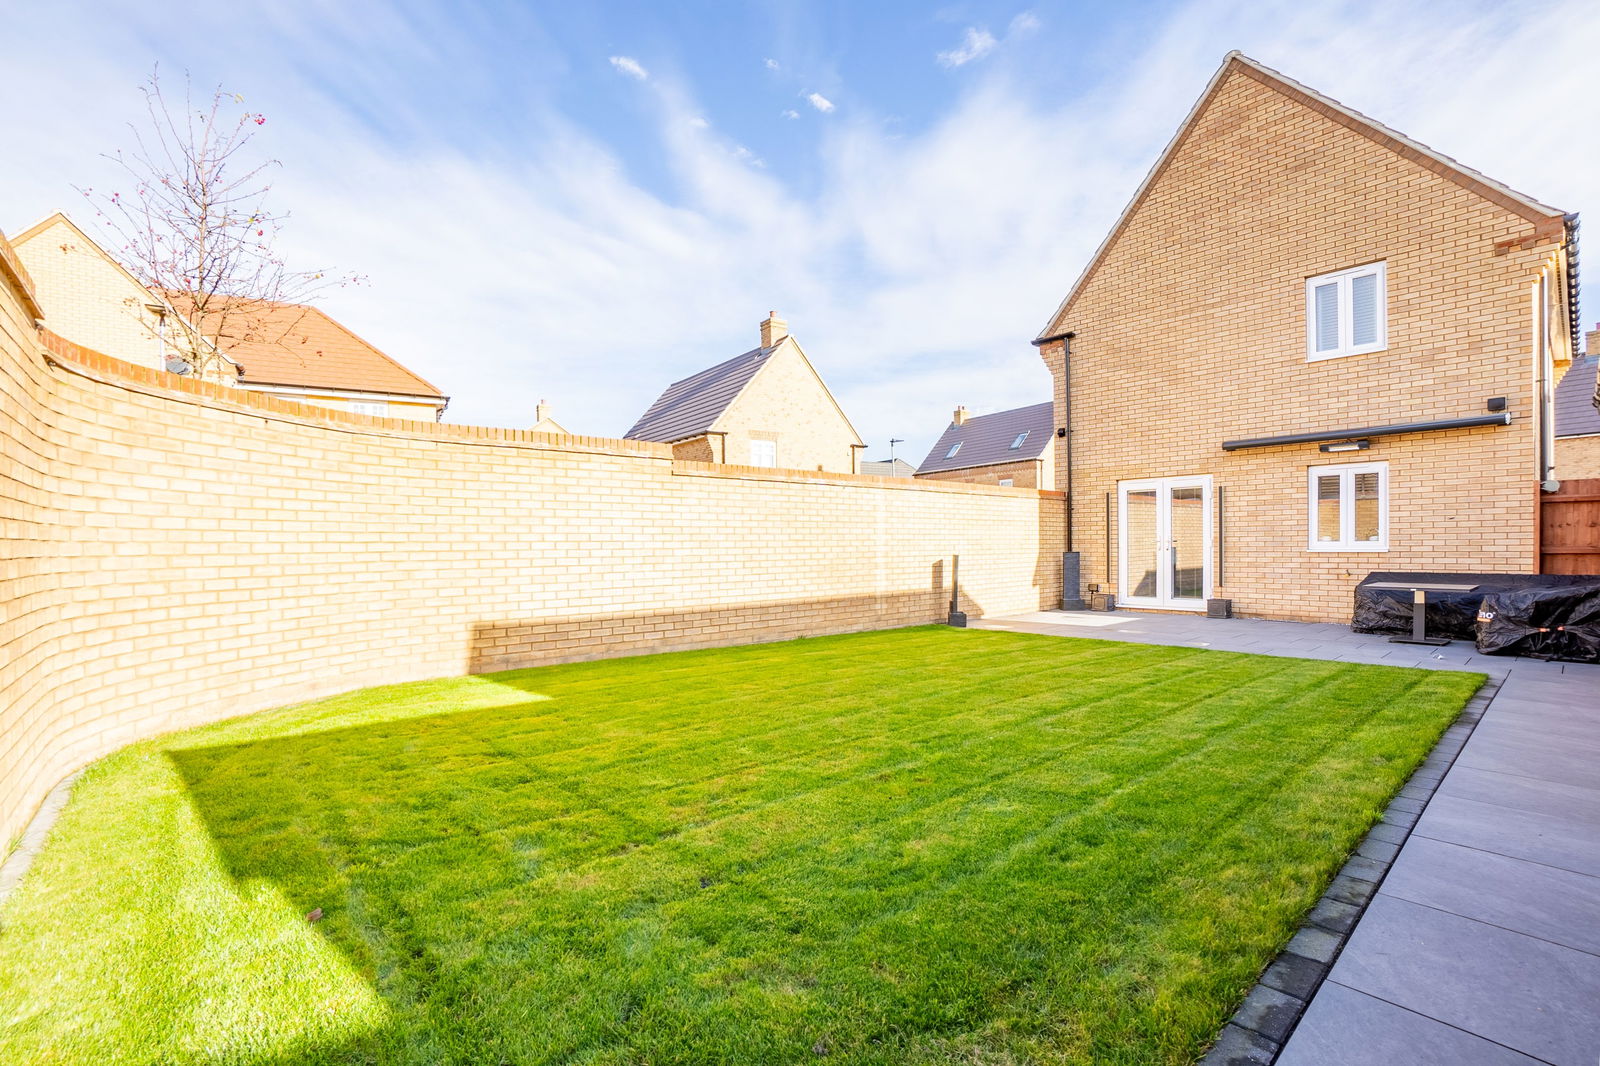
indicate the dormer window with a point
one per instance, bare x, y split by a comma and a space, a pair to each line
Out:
951, 454
1347, 312
1020, 438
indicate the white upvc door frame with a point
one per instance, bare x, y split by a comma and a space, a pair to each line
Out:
1165, 545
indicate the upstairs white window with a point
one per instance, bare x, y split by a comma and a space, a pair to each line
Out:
1349, 508
375, 408
1347, 312
951, 454
763, 453
1020, 438
1006, 482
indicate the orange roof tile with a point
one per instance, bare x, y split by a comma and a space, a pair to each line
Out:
296, 344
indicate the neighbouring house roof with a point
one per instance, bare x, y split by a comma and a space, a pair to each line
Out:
888, 468
1575, 411
1425, 157
690, 407
301, 346
986, 439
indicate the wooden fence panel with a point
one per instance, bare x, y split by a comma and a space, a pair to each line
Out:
1569, 528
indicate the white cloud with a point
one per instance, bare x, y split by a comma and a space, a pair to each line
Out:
771, 64
1024, 23
975, 44
630, 66
820, 102
790, 112
699, 122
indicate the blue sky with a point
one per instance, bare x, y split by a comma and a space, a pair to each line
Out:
585, 201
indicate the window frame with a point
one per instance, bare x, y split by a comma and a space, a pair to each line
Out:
1018, 440
1346, 312
768, 446
1007, 482
1347, 512
954, 448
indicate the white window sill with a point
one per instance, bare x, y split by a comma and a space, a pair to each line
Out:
1347, 547
1317, 357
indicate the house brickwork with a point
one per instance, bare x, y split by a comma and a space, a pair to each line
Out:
177, 552
788, 404
1577, 457
1191, 330
93, 301
1029, 473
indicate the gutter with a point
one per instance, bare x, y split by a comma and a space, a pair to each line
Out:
1502, 418
1066, 430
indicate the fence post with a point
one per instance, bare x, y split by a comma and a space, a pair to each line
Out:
956, 617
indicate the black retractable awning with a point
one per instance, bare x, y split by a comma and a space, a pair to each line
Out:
1502, 418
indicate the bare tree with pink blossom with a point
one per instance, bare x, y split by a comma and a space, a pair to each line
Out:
194, 224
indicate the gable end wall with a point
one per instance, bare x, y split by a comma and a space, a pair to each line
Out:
1191, 331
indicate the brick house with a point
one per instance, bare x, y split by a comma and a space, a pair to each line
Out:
768, 407
1578, 416
91, 299
1309, 349
301, 353
1004, 448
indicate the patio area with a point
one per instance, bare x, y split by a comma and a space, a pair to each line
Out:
1481, 942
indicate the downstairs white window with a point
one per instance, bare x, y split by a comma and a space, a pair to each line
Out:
1349, 507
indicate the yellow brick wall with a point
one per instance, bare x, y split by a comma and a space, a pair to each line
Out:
1577, 457
788, 404
1192, 332
1025, 474
176, 552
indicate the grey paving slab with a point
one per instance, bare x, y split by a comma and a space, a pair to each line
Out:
1515, 990
1564, 842
1537, 736
1522, 793
1569, 767
1344, 1027
1525, 897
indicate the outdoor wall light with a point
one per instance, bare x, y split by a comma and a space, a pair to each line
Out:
1345, 446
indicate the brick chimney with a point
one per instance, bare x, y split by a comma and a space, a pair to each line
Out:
960, 417
773, 330
1591, 340
541, 411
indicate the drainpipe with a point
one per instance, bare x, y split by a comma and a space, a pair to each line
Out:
1071, 564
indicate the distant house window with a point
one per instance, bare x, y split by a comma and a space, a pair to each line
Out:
1005, 482
1020, 438
951, 454
1347, 312
375, 408
1349, 507
763, 453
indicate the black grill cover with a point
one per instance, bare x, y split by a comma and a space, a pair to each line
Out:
1556, 623
1450, 614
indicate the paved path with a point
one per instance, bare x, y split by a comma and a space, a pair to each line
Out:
1482, 943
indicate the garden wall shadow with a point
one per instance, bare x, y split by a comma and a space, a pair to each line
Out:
521, 642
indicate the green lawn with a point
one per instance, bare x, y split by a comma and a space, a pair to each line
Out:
918, 846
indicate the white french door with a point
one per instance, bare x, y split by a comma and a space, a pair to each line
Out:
1164, 534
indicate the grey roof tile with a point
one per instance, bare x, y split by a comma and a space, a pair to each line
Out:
1576, 415
690, 407
986, 439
